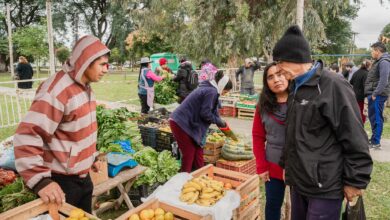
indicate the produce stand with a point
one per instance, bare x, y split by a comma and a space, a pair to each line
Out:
246, 185
154, 203
126, 177
38, 207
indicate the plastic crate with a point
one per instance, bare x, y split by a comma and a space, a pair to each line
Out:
228, 101
164, 140
148, 135
242, 166
143, 191
227, 111
246, 105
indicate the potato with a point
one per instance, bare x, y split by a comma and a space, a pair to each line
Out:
159, 211
168, 216
134, 217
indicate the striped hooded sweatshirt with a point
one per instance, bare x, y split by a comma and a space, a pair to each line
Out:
59, 132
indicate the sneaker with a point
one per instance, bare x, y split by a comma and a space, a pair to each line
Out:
376, 147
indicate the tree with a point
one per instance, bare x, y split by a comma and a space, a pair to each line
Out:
62, 54
226, 31
31, 41
386, 33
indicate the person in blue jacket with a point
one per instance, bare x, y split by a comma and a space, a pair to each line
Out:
190, 121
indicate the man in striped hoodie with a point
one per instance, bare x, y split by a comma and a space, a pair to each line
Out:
55, 144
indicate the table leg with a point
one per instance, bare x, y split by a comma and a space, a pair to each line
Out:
124, 196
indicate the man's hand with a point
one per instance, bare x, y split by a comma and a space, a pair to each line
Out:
52, 193
373, 97
97, 166
350, 192
264, 176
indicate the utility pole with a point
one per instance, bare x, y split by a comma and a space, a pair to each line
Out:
10, 46
50, 38
300, 7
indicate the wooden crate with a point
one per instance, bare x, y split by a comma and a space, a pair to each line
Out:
246, 185
38, 207
102, 175
154, 203
242, 166
244, 113
212, 148
211, 159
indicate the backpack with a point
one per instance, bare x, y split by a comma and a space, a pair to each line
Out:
192, 80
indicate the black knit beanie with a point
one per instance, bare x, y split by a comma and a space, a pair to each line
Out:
292, 47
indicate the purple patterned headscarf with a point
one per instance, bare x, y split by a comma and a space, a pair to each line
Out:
207, 73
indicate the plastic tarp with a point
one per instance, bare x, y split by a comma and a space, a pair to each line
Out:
170, 192
7, 156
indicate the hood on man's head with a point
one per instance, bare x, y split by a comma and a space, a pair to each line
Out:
85, 51
292, 47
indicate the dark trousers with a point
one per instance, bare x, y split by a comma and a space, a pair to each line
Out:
361, 107
192, 154
144, 103
78, 191
274, 192
303, 207
248, 91
375, 114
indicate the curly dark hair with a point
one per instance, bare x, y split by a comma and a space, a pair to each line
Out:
267, 100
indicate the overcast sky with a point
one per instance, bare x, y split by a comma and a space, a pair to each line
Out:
372, 18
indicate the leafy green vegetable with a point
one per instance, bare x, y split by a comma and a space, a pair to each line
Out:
113, 125
165, 92
14, 195
161, 166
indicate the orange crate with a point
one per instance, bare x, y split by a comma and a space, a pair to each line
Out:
242, 166
228, 111
246, 185
38, 207
177, 212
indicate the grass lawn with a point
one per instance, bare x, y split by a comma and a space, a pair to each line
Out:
386, 125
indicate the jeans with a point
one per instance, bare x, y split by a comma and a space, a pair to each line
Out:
375, 115
249, 91
274, 192
303, 207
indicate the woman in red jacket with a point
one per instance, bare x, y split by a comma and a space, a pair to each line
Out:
269, 138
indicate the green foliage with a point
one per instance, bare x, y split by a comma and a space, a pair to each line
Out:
14, 195
386, 33
62, 54
115, 55
31, 41
114, 125
165, 92
161, 166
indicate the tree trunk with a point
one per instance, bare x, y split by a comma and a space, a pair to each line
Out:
267, 55
233, 61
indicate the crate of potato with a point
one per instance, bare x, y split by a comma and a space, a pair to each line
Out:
241, 166
246, 185
38, 207
154, 209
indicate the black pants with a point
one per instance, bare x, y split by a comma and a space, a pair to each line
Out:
78, 191
144, 103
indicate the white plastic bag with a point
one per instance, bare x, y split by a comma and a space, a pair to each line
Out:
42, 217
7, 156
170, 192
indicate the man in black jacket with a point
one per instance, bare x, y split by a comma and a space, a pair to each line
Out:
181, 77
326, 156
357, 82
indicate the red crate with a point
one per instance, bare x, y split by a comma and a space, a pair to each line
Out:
227, 111
242, 166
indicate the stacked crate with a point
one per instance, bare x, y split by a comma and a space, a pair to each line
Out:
246, 110
228, 106
212, 152
241, 166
